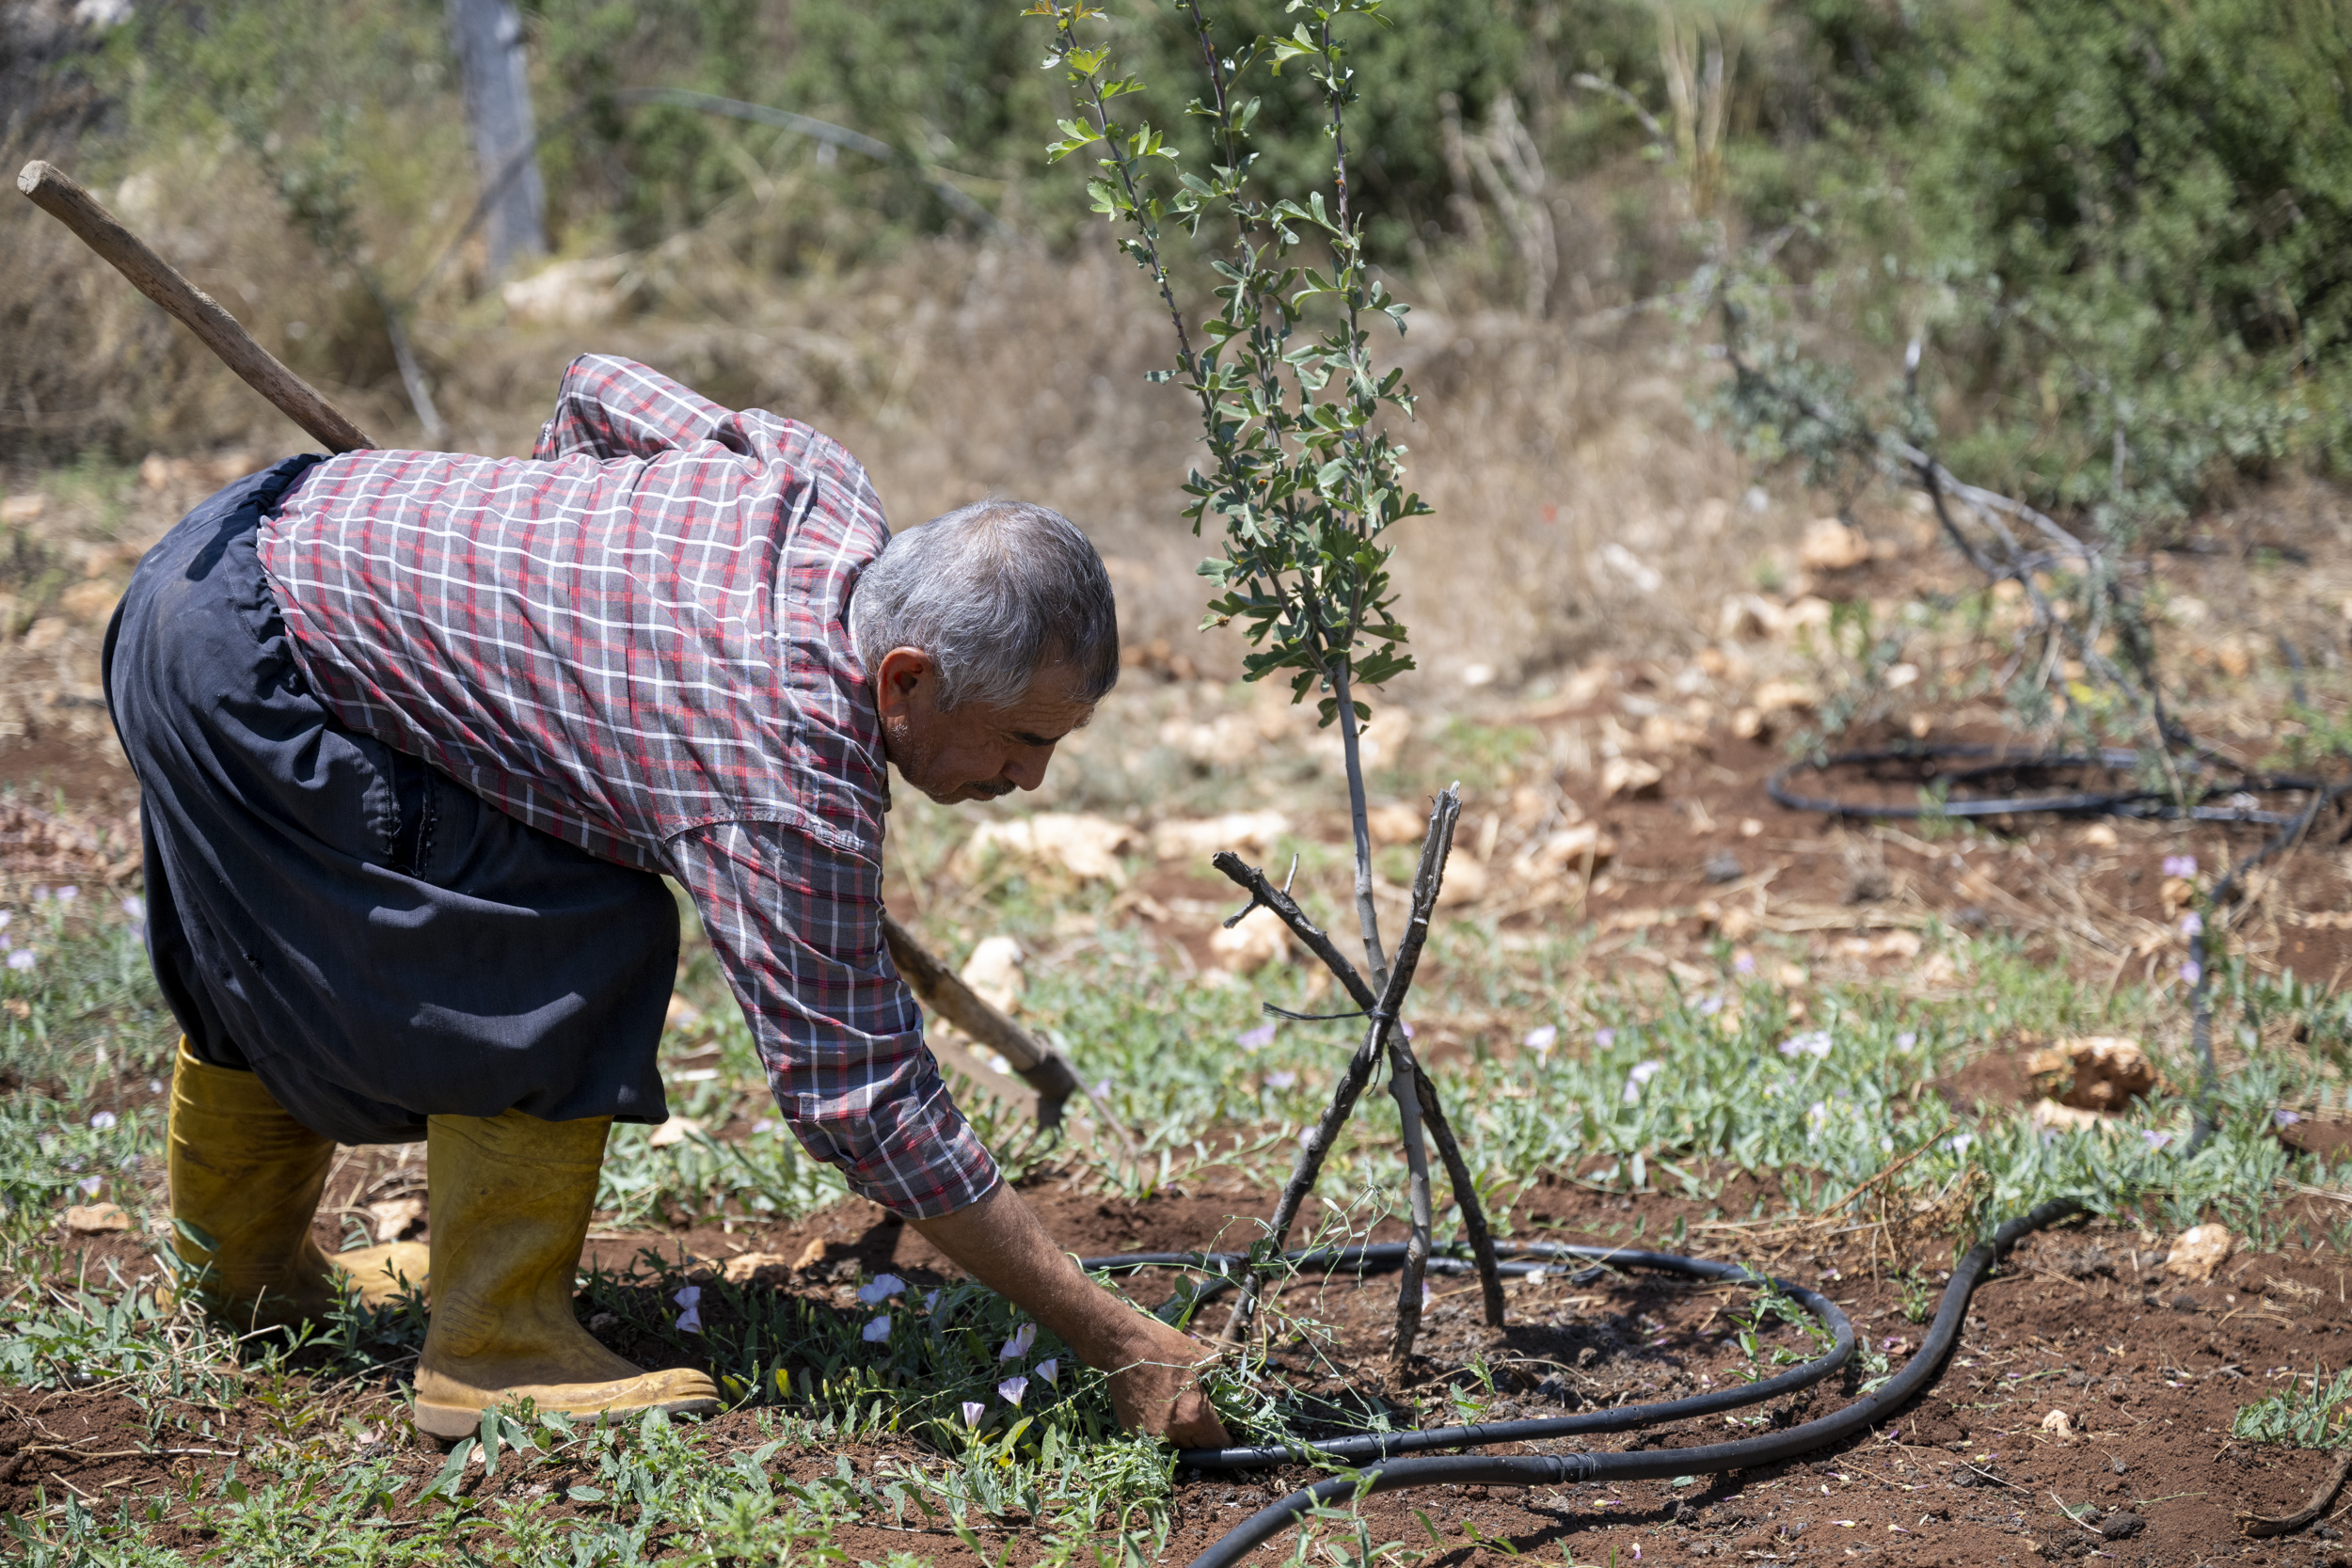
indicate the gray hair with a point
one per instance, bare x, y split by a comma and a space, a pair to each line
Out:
994, 593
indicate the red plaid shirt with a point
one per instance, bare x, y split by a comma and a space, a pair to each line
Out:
635, 641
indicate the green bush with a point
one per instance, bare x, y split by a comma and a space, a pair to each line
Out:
2125, 231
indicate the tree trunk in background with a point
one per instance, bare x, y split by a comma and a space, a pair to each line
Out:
488, 37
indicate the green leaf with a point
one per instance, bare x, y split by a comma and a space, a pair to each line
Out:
445, 1483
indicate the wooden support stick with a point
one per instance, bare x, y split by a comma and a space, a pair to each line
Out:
1378, 1035
2262, 1525
1262, 892
63, 199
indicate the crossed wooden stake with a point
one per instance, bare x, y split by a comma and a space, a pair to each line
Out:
1416, 1097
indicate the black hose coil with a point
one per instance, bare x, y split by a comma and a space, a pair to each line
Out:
1391, 1474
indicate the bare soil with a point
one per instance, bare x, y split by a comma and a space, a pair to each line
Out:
2150, 1371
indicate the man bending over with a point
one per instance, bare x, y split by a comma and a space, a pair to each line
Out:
417, 734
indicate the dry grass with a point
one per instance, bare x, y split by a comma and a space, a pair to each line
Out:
1579, 512
959, 369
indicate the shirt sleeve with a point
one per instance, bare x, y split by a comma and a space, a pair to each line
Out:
797, 927
611, 407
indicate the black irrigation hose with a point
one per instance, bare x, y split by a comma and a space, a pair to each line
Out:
1711, 1459
1994, 763
1386, 1472
1224, 1268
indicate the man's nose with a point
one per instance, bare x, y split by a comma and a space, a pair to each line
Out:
1028, 768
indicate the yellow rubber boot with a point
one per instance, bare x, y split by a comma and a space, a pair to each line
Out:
511, 1195
247, 1174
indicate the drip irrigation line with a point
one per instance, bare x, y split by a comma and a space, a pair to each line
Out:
2238, 804
1397, 1461
1569, 1469
1387, 1458
1532, 1259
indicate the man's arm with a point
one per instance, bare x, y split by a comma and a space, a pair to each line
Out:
798, 928
611, 407
1154, 1369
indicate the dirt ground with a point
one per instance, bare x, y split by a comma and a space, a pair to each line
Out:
2148, 1372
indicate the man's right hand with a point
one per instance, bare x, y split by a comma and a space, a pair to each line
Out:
1157, 1389
1154, 1370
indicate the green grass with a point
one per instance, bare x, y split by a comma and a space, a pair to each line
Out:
1820, 1103
2309, 1413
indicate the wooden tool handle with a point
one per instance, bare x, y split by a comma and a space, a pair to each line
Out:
63, 199
1039, 1065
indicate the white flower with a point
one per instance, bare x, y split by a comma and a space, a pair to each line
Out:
1280, 1080
1018, 1346
765, 1124
1643, 1072
972, 1412
690, 1300
67, 894
931, 1301
134, 909
1541, 1039
878, 1330
880, 1288
1050, 1370
89, 1185
103, 1120
4, 917
21, 960
1012, 1388
1813, 1042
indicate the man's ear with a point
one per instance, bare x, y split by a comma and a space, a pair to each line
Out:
904, 682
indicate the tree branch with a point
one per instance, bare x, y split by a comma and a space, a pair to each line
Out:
1457, 1175
1265, 894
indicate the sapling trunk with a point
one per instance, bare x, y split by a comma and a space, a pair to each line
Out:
1403, 1087
1306, 478
1457, 1175
1351, 754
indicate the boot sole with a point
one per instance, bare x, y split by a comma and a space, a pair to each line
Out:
450, 1423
